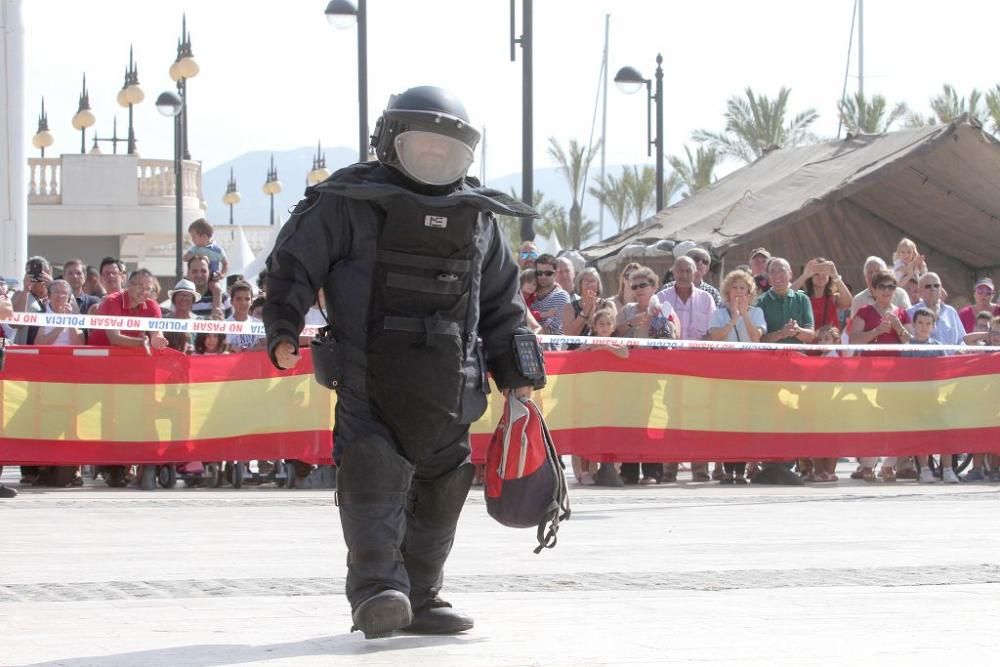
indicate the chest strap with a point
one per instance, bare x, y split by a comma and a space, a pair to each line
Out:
424, 262
427, 325
446, 283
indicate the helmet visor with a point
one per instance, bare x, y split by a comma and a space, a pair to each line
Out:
431, 158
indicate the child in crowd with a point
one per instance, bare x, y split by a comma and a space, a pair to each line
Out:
205, 246
603, 326
211, 343
924, 320
825, 469
528, 287
907, 262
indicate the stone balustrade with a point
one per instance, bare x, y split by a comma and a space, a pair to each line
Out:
45, 181
155, 181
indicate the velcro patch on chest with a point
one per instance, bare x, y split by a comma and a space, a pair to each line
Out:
437, 221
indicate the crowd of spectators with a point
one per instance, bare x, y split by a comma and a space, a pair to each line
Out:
761, 301
206, 292
765, 301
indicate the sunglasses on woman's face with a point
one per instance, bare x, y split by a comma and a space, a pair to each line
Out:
640, 286
547, 274
885, 286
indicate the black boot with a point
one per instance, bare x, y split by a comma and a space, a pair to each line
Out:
371, 492
777, 473
608, 476
433, 509
7, 492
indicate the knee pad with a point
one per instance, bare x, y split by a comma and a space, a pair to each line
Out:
371, 465
441, 498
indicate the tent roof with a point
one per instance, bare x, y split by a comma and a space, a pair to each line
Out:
939, 184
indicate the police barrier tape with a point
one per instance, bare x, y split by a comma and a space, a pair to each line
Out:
126, 323
63, 405
256, 328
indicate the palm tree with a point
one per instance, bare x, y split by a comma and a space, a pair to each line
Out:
511, 226
672, 186
755, 124
570, 236
861, 115
697, 171
574, 165
993, 107
641, 188
948, 106
614, 196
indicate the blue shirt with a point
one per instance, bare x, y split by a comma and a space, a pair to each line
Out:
948, 330
213, 251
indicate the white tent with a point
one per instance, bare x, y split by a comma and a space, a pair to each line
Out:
253, 268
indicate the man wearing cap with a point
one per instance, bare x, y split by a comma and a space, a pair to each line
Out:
758, 268
182, 300
982, 299
527, 255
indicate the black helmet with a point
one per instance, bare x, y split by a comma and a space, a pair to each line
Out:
424, 132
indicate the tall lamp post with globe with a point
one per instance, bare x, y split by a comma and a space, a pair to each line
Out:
629, 81
232, 196
130, 95
344, 14
170, 104
272, 185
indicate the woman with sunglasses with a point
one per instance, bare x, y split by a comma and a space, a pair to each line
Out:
737, 321
633, 322
624, 286
982, 300
880, 324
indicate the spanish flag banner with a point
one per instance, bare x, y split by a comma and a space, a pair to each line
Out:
62, 405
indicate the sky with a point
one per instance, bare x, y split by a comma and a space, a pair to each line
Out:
276, 76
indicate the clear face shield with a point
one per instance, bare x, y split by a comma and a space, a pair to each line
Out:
431, 158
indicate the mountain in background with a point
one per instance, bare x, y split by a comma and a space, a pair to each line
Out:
250, 170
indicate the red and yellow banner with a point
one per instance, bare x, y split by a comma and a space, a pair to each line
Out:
87, 405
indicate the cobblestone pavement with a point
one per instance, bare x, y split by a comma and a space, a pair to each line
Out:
826, 574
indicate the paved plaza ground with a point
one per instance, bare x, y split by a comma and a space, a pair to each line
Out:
843, 574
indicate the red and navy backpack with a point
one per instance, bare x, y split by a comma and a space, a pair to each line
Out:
525, 484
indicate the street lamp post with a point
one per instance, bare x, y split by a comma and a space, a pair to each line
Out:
170, 104
527, 131
319, 172
272, 185
185, 67
43, 138
84, 117
114, 139
344, 14
232, 196
130, 95
629, 80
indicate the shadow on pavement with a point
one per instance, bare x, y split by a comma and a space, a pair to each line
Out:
216, 655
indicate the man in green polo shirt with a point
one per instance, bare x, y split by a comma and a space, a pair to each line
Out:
787, 312
789, 318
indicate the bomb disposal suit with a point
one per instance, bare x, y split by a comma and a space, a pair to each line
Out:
422, 297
